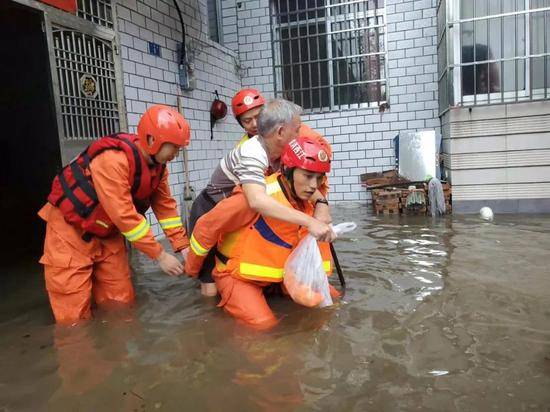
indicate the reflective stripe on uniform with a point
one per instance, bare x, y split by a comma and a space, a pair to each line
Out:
138, 232
260, 271
273, 187
327, 267
243, 139
197, 248
170, 223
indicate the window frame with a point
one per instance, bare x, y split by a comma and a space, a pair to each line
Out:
454, 65
219, 26
329, 20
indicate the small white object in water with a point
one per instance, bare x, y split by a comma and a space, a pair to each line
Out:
438, 373
486, 213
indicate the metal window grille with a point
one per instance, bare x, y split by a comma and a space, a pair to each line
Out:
87, 89
329, 54
493, 51
96, 11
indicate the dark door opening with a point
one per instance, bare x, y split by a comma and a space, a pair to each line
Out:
29, 138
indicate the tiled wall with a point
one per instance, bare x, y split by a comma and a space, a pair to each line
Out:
152, 80
362, 139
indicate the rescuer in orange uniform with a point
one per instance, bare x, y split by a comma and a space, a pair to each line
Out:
246, 106
251, 248
97, 201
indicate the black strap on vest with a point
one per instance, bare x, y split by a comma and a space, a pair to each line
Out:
224, 259
80, 207
83, 182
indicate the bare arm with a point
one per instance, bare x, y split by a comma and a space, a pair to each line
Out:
262, 203
322, 210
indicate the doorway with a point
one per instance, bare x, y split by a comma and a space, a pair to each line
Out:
29, 141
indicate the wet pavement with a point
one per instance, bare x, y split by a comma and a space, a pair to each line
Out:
449, 314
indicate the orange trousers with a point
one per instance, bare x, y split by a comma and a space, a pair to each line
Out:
244, 300
76, 270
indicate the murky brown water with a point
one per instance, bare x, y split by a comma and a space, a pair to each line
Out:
439, 315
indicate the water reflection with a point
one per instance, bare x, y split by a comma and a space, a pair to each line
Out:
447, 314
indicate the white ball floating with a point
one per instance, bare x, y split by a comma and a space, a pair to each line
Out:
486, 213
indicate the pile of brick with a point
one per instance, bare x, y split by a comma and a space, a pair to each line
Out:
394, 201
386, 201
390, 192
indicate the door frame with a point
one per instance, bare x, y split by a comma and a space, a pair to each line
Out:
51, 17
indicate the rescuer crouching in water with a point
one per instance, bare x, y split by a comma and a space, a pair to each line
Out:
252, 249
100, 199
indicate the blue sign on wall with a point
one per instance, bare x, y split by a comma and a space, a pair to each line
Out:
154, 49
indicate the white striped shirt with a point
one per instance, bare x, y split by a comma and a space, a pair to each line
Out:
246, 163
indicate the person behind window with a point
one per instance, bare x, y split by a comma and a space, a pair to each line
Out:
487, 75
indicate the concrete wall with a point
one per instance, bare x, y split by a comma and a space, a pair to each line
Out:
152, 80
362, 139
499, 156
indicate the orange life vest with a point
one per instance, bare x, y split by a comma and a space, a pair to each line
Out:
74, 194
259, 251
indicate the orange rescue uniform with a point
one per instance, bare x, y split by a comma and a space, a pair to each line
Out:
252, 251
76, 269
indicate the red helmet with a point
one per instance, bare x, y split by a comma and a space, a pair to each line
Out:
218, 110
165, 125
245, 100
306, 152
305, 130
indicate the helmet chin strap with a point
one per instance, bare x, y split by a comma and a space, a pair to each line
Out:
154, 160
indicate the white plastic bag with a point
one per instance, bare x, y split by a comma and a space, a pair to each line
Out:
342, 228
305, 279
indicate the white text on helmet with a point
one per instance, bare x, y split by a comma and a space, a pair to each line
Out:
297, 149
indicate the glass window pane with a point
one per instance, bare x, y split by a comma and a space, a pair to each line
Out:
213, 20
480, 36
514, 75
509, 33
495, 38
521, 30
466, 9
481, 8
537, 70
537, 4
495, 7
537, 33
467, 37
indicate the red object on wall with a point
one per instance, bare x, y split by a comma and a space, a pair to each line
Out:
67, 5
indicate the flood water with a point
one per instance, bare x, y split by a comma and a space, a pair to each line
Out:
448, 314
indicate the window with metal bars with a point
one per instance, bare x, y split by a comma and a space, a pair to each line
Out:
96, 11
329, 54
493, 51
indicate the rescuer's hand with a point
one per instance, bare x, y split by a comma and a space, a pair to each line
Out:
209, 289
170, 264
320, 231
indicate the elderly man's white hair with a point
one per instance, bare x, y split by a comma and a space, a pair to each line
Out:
276, 113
